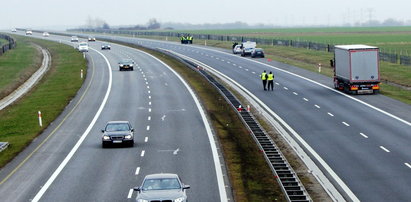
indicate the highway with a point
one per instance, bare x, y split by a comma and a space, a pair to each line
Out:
171, 136
364, 139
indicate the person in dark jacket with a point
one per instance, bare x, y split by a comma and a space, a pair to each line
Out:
270, 79
263, 77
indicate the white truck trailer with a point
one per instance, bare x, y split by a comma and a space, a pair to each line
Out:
356, 69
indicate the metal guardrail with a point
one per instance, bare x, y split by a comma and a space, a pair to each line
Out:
285, 175
11, 44
3, 146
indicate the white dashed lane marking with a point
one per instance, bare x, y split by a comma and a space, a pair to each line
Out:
285, 88
385, 149
149, 97
130, 193
146, 139
305, 99
235, 64
346, 124
240, 67
149, 118
295, 93
253, 72
142, 153
149, 109
246, 70
149, 103
362, 134
277, 83
148, 92
137, 171
148, 127
330, 114
317, 106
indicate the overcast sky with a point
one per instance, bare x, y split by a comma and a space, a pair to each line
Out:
69, 13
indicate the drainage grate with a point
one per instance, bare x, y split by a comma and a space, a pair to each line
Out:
291, 185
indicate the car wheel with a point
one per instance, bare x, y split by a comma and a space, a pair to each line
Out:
121, 69
132, 69
104, 145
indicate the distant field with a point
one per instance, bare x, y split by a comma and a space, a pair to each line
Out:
389, 39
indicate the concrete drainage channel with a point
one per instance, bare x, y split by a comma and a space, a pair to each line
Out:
288, 179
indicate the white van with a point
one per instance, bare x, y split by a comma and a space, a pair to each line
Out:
82, 47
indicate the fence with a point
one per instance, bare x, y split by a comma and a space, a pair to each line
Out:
11, 44
387, 57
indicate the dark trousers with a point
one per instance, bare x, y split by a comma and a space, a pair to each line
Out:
271, 84
265, 84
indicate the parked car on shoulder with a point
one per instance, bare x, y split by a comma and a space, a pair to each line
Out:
74, 39
257, 52
237, 49
29, 32
126, 64
118, 132
105, 46
165, 187
46, 34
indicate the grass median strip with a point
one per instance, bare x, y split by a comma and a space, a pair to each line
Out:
250, 176
19, 123
17, 65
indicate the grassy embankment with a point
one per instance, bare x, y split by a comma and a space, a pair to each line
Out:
250, 176
19, 123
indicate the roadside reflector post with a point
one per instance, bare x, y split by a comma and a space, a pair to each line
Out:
166, 38
84, 55
40, 121
205, 42
319, 67
248, 108
81, 73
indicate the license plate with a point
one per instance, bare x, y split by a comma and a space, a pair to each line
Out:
117, 141
365, 91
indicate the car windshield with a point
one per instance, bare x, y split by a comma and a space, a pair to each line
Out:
258, 49
127, 61
117, 127
161, 184
83, 44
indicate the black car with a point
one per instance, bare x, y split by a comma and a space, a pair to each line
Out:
118, 132
126, 64
257, 52
105, 47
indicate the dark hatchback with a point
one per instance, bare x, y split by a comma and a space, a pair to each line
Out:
126, 64
257, 52
118, 132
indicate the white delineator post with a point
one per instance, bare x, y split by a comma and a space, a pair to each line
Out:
84, 55
205, 42
40, 121
81, 73
248, 108
319, 67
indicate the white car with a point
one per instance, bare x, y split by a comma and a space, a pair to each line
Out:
74, 39
14, 30
46, 34
29, 32
82, 46
91, 38
237, 49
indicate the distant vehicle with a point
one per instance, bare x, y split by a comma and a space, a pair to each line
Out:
165, 187
247, 48
90, 38
82, 46
14, 30
356, 69
257, 52
126, 64
29, 32
105, 47
237, 49
118, 132
74, 39
46, 34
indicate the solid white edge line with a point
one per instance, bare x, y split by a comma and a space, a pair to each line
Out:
320, 84
74, 149
217, 164
130, 193
317, 173
385, 149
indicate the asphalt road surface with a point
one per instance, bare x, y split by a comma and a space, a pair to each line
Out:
365, 139
170, 137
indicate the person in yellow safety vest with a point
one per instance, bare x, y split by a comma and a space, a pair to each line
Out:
264, 79
270, 79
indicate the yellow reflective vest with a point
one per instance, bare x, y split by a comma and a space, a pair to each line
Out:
270, 77
263, 76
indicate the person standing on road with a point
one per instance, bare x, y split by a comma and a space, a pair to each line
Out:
264, 79
270, 79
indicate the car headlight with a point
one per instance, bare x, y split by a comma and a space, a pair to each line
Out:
121, 65
127, 137
105, 137
142, 200
131, 65
181, 199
